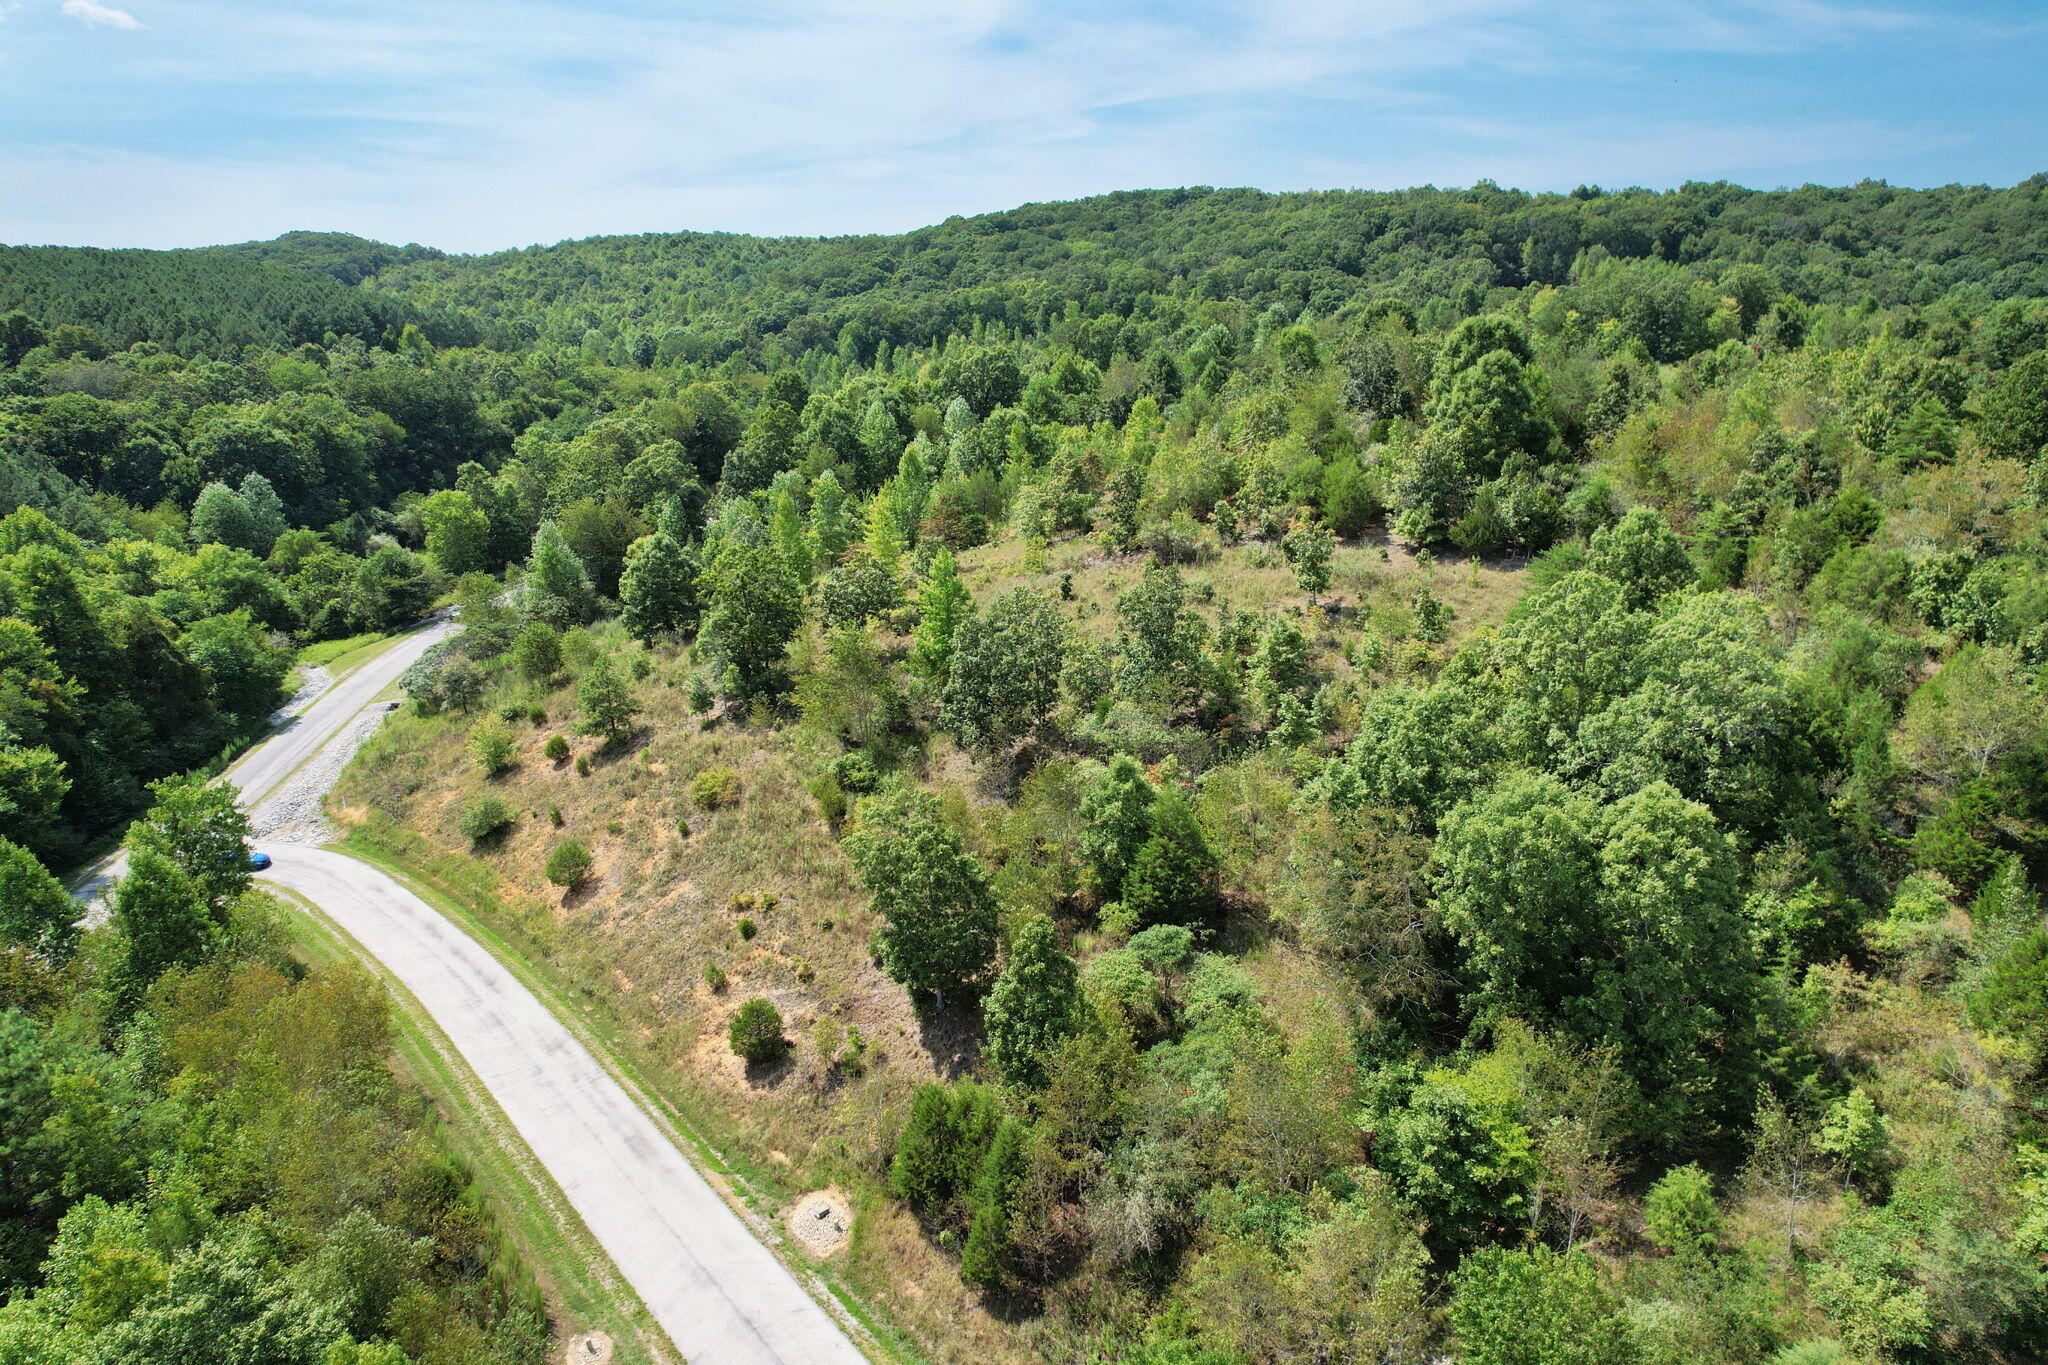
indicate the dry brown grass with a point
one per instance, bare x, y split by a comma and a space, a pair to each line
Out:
660, 907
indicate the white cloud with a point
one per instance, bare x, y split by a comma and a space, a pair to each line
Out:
93, 14
476, 124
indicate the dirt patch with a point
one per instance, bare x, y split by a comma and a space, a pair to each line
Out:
821, 1222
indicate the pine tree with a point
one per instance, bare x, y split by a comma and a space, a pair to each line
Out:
884, 528
942, 605
1033, 1003
607, 701
1173, 878
831, 528
557, 587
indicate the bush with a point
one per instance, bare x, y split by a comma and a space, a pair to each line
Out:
555, 816
757, 1031
569, 864
538, 715
582, 765
714, 788
491, 741
748, 929
714, 977
485, 819
855, 771
557, 748
1680, 1211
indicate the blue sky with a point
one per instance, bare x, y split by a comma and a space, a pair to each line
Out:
479, 124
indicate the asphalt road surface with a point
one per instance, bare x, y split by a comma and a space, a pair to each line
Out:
722, 1296
272, 761
719, 1293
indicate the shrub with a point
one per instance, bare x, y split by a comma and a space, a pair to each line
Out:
555, 816
714, 977
682, 829
757, 1031
491, 741
557, 748
582, 765
1680, 1211
855, 771
748, 929
569, 864
538, 715
485, 819
715, 787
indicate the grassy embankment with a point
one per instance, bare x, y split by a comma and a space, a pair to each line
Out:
761, 891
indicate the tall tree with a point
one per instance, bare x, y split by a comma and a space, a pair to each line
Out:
1033, 1002
1006, 671
939, 930
658, 590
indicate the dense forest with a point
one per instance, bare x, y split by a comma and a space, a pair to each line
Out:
1440, 773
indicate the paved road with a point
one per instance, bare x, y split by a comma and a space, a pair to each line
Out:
720, 1294
270, 762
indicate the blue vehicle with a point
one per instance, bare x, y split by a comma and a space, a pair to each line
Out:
258, 861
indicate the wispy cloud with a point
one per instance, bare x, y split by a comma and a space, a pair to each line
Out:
93, 14
484, 123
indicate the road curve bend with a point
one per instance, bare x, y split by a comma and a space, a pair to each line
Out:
722, 1296
719, 1293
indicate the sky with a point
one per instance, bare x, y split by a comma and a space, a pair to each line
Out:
475, 125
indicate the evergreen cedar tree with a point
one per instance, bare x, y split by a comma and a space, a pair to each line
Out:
1716, 851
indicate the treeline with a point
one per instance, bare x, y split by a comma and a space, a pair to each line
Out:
210, 302
206, 1155
1114, 273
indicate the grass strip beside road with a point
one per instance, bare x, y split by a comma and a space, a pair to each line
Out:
452, 886
340, 657
583, 1287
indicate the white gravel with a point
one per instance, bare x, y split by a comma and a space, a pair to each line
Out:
294, 812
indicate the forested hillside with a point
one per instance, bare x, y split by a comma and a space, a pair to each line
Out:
1331, 777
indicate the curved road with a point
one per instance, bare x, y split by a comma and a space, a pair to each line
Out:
722, 1297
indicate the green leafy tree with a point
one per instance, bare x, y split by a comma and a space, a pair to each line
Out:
1308, 546
1033, 1003
203, 830
1534, 1306
2015, 421
35, 912
164, 918
658, 590
491, 743
457, 532
1173, 878
220, 516
939, 930
754, 606
1643, 554
1117, 816
1006, 671
537, 652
